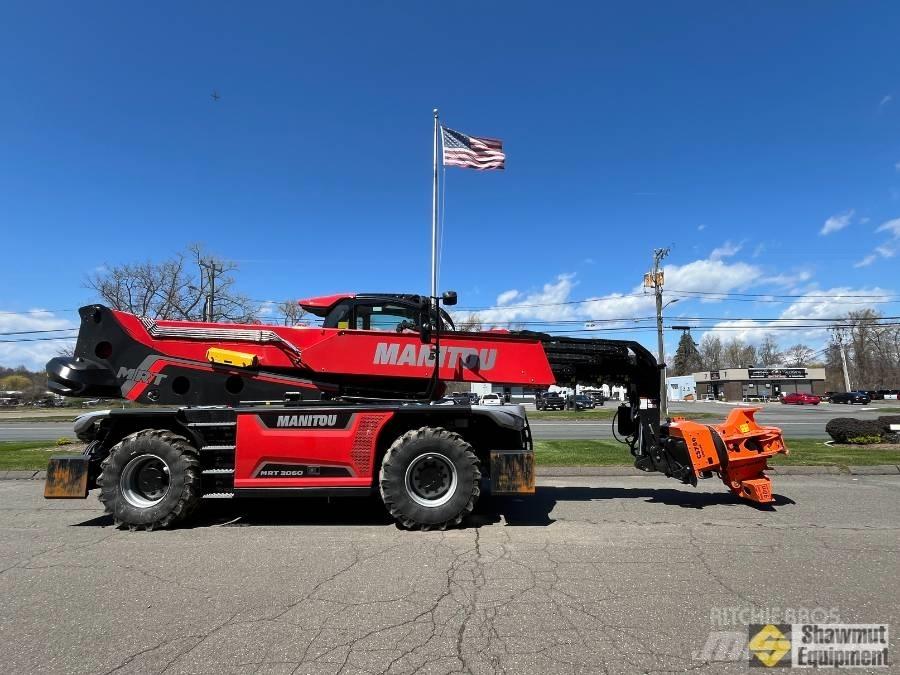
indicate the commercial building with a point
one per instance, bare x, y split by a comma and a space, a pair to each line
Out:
744, 384
681, 388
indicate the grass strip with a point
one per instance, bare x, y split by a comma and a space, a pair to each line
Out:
33, 455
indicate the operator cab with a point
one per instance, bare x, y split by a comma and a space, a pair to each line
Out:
394, 313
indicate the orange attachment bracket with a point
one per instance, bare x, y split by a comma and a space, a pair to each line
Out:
737, 450
748, 448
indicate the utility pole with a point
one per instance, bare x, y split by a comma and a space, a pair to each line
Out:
655, 280
839, 334
212, 269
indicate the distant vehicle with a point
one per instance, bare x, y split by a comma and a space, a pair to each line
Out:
549, 400
473, 398
492, 399
580, 402
800, 399
460, 398
597, 397
874, 395
890, 394
850, 397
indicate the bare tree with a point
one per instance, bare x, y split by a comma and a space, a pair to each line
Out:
290, 313
768, 353
738, 354
711, 351
799, 355
471, 324
175, 289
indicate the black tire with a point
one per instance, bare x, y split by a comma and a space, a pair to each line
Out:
161, 483
411, 460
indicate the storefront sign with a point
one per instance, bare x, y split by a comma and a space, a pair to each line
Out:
714, 374
777, 373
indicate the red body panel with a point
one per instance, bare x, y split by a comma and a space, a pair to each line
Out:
352, 447
467, 357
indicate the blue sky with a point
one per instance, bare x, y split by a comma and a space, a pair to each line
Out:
731, 134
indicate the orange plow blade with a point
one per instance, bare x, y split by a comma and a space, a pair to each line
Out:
737, 450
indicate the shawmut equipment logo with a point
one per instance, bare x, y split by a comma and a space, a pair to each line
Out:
819, 645
770, 645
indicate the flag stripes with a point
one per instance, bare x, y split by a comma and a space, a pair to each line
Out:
472, 152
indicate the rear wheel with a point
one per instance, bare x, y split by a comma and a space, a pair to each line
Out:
429, 479
150, 479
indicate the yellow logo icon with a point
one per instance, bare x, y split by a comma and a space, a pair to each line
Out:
769, 646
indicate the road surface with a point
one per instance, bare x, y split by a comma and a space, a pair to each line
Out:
614, 575
795, 422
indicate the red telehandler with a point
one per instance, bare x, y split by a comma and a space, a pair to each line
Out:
351, 407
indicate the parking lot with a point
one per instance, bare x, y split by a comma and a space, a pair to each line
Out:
795, 421
589, 575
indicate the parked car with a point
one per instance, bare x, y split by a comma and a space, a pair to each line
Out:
800, 399
549, 400
579, 402
459, 398
492, 399
851, 397
597, 397
874, 395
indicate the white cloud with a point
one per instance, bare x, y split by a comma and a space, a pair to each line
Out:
726, 250
711, 276
892, 226
881, 251
701, 227
887, 98
33, 354
545, 304
759, 250
788, 279
837, 222
897, 166
832, 303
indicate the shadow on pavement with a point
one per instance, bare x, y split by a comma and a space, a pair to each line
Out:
533, 510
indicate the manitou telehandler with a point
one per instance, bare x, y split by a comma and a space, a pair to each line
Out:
351, 407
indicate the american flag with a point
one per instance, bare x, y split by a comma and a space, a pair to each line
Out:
471, 152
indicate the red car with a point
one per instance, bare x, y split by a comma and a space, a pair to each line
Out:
800, 399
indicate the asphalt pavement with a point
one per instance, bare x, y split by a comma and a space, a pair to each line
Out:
589, 575
795, 421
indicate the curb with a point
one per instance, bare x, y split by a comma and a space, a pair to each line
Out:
564, 471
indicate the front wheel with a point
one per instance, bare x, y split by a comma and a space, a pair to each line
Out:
429, 479
150, 479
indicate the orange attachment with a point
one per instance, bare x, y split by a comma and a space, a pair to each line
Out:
738, 450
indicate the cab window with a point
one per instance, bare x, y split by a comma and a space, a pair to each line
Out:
385, 317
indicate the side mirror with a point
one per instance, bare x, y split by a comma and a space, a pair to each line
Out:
449, 298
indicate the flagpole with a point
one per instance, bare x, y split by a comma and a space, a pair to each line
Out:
434, 212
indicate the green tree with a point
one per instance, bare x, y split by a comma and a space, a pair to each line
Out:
687, 357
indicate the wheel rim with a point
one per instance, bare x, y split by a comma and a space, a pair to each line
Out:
144, 481
431, 480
